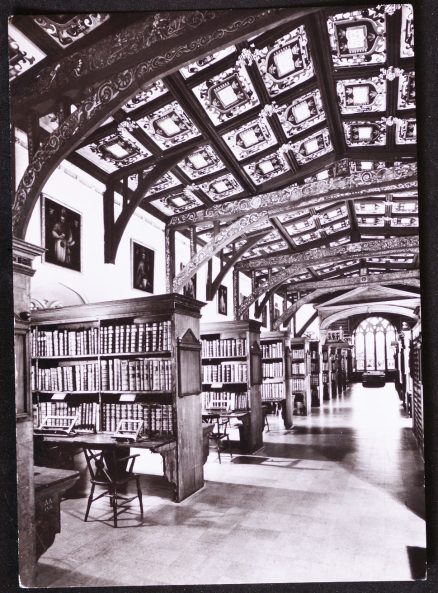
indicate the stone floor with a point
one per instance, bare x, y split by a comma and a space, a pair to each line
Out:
337, 498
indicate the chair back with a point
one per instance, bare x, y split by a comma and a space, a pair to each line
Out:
97, 466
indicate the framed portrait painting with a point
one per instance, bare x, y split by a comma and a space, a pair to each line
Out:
142, 267
222, 303
61, 230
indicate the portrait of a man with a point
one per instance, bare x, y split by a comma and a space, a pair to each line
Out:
62, 235
143, 267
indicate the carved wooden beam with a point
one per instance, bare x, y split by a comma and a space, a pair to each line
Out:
208, 30
375, 248
223, 238
356, 185
231, 262
294, 270
135, 200
136, 42
409, 277
169, 239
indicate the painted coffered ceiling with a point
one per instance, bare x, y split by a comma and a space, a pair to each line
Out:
319, 95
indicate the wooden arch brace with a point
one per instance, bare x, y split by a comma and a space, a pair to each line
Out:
204, 31
308, 298
368, 309
114, 230
409, 277
231, 262
219, 241
298, 262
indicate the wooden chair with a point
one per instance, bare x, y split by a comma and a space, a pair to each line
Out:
220, 433
113, 473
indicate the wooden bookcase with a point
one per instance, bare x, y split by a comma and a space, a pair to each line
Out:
232, 374
300, 375
417, 386
276, 366
135, 358
325, 370
314, 371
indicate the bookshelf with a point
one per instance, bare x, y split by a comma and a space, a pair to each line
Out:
325, 367
314, 372
276, 386
417, 386
300, 375
133, 358
232, 375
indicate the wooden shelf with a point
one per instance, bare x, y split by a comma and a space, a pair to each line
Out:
161, 353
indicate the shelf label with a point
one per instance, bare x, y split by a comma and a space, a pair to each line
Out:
217, 385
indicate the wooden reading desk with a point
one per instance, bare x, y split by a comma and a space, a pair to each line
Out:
113, 449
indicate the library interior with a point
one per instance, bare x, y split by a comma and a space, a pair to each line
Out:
217, 312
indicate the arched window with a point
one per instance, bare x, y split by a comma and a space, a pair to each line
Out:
372, 344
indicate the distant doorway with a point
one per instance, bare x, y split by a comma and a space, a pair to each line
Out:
372, 345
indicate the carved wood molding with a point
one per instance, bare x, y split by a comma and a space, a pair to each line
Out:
302, 260
380, 247
134, 41
110, 94
410, 277
219, 241
362, 183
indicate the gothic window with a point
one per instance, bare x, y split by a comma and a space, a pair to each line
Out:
372, 344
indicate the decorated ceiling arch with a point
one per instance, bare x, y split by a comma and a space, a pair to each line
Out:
300, 124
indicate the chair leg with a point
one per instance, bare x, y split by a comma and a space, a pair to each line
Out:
140, 498
218, 447
228, 446
115, 506
90, 500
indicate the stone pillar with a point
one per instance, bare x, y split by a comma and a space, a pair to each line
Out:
23, 256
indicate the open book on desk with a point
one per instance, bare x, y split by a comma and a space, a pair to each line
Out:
62, 426
129, 431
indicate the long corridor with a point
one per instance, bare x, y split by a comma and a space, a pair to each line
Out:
339, 497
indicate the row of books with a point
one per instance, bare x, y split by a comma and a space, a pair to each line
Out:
64, 342
225, 400
297, 384
145, 374
87, 412
271, 391
135, 337
83, 376
297, 353
272, 370
274, 350
226, 347
298, 368
314, 380
157, 418
232, 372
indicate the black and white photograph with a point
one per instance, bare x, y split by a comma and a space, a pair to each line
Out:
236, 389
62, 235
142, 267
